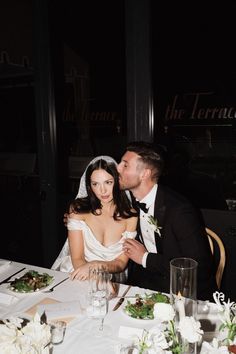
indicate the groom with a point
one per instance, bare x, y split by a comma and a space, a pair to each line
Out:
169, 226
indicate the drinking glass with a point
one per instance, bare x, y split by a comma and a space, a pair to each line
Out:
98, 300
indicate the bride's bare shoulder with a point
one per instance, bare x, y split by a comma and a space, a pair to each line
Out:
78, 216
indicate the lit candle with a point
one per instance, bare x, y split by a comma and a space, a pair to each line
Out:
180, 306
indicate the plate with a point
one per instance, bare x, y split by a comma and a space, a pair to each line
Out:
143, 305
30, 282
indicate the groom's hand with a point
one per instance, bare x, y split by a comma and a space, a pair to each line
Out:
134, 250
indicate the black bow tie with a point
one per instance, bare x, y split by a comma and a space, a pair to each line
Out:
142, 206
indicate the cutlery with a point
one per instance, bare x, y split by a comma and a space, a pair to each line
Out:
122, 298
53, 287
8, 278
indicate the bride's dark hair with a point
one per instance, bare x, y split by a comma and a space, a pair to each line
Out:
92, 204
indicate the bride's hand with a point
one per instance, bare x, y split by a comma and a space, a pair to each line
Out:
81, 273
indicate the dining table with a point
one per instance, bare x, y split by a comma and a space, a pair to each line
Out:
70, 297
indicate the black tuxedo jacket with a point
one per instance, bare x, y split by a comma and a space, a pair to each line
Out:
182, 235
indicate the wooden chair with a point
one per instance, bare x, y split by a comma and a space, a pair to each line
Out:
212, 236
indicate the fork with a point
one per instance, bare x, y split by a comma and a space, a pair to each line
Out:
53, 287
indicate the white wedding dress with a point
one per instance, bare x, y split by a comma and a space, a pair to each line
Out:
93, 249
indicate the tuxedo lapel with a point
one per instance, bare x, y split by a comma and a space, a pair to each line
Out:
159, 215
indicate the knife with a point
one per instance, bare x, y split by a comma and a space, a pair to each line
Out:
8, 278
122, 298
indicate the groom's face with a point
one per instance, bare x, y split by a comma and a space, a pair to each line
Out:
130, 171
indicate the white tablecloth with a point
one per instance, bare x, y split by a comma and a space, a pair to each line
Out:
78, 337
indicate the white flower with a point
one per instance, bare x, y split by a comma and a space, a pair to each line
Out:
190, 329
227, 312
153, 341
7, 334
158, 339
14, 322
164, 312
213, 348
218, 298
38, 333
7, 348
32, 338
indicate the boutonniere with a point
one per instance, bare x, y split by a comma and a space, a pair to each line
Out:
154, 225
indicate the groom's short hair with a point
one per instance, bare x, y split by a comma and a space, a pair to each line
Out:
151, 155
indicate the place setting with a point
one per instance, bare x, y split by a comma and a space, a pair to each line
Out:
119, 318
30, 281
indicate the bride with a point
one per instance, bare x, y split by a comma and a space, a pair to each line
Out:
99, 221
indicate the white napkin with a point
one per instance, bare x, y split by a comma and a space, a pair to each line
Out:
4, 264
60, 309
7, 299
130, 332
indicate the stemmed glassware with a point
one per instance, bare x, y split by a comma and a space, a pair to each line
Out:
98, 300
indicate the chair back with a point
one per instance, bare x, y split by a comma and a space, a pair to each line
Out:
212, 236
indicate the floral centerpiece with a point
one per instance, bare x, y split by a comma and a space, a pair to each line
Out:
20, 336
169, 337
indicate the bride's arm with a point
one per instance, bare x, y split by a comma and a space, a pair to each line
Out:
76, 245
116, 266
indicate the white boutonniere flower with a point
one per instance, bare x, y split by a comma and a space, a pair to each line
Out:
154, 224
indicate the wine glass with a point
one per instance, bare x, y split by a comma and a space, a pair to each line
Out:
98, 300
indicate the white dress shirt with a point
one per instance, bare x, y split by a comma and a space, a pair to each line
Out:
146, 229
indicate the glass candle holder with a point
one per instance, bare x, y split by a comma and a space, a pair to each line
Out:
183, 293
183, 277
58, 329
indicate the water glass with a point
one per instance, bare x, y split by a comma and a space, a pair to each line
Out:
98, 305
98, 293
98, 299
